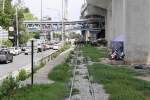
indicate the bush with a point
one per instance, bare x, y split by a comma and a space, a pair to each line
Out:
22, 75
8, 43
60, 73
7, 86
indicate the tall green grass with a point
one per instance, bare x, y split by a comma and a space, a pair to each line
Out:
120, 83
60, 73
94, 53
57, 91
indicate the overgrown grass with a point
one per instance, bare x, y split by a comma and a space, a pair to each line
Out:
94, 53
60, 73
57, 91
120, 83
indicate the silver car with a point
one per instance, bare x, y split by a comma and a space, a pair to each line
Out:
6, 56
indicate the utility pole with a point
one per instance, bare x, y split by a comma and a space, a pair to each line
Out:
17, 29
62, 21
41, 17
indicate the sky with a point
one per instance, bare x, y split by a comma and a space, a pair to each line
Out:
53, 8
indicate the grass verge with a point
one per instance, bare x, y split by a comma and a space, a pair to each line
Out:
94, 53
57, 91
60, 73
120, 83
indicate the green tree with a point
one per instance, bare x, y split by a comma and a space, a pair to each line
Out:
36, 35
8, 43
6, 17
25, 37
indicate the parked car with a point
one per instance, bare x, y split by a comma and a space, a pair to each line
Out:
6, 56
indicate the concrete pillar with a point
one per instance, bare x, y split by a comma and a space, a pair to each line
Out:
51, 36
87, 35
131, 18
137, 29
117, 18
108, 24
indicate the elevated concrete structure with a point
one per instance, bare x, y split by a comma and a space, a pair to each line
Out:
130, 18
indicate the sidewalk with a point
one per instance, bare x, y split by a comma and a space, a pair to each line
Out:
41, 77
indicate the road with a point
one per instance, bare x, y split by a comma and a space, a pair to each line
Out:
20, 61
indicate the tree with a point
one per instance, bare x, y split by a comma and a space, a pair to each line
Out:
6, 17
36, 35
8, 43
24, 37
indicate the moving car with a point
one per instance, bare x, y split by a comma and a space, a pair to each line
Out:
15, 50
27, 51
6, 56
39, 48
56, 47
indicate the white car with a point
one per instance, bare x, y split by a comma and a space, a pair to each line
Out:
14, 51
56, 47
27, 51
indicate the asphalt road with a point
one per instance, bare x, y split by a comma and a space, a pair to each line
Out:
20, 61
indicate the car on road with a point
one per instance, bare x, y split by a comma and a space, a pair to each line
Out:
39, 48
6, 56
56, 47
27, 51
15, 51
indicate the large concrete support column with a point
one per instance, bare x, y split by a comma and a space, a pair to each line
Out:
51, 36
118, 16
137, 29
87, 35
131, 18
108, 25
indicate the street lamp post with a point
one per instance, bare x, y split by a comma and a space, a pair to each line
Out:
41, 16
62, 20
17, 28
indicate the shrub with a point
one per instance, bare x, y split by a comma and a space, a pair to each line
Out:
7, 86
60, 73
22, 75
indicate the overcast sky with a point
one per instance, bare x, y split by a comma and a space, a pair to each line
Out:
53, 8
